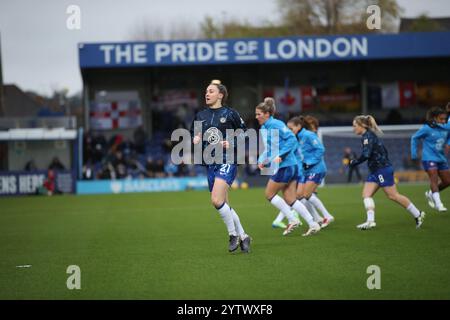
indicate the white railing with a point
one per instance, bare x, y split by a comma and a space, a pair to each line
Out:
38, 122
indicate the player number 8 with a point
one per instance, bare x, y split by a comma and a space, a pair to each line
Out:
380, 177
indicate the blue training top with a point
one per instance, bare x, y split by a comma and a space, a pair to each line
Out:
433, 140
299, 156
285, 148
312, 150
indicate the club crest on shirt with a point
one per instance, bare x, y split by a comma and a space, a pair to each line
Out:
366, 141
223, 120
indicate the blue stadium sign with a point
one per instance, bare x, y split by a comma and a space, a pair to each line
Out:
141, 185
290, 49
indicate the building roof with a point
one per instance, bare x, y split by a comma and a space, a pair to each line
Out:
17, 103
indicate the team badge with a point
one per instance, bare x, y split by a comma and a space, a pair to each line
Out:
366, 141
223, 120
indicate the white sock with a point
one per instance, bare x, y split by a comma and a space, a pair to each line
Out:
312, 210
301, 209
227, 217
237, 225
319, 205
413, 210
279, 217
371, 215
437, 199
281, 205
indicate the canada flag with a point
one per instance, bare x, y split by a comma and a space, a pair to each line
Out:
287, 99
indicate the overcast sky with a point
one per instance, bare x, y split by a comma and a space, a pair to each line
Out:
39, 53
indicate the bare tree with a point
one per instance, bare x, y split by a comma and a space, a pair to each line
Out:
147, 30
423, 24
336, 16
155, 30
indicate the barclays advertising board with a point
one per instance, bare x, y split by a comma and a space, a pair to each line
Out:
265, 50
141, 185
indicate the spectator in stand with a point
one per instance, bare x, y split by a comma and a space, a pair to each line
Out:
88, 171
49, 183
180, 116
170, 169
114, 143
150, 168
30, 166
140, 139
88, 152
187, 167
135, 168
98, 148
127, 148
159, 169
350, 155
120, 165
183, 170
56, 164
107, 172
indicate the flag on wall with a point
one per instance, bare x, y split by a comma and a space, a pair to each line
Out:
116, 111
307, 97
287, 99
173, 99
292, 99
398, 94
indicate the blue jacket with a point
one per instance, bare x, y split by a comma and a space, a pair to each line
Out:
374, 151
434, 140
214, 120
312, 150
285, 148
299, 156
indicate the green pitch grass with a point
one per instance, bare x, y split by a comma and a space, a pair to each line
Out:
174, 246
